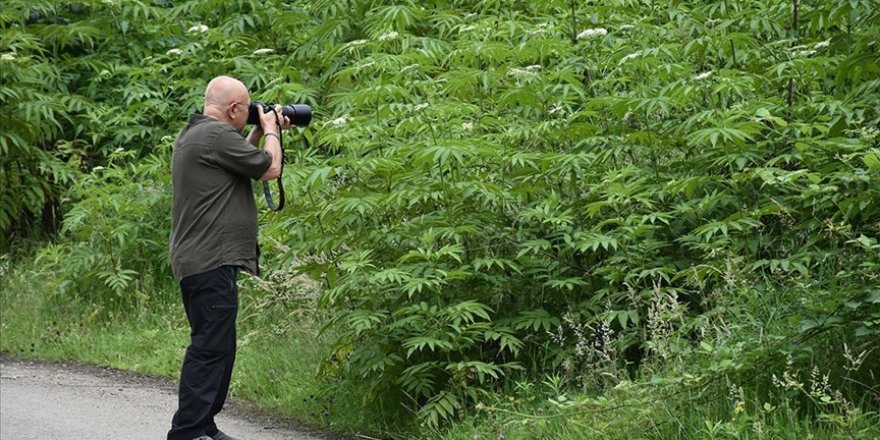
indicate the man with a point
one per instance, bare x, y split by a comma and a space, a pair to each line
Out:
213, 234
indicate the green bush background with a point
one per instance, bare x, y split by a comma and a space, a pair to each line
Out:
545, 218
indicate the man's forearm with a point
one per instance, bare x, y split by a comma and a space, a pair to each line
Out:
272, 145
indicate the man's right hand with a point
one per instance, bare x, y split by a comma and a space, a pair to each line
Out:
268, 121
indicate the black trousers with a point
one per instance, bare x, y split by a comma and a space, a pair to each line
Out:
211, 303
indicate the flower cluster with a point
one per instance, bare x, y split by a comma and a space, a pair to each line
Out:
592, 33
198, 29
389, 36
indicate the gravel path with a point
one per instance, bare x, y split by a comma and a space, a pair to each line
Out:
58, 401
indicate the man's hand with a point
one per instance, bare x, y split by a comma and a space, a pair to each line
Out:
269, 123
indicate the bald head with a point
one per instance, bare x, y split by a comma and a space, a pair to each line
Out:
227, 100
223, 91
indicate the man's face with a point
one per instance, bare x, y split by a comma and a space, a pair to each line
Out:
238, 111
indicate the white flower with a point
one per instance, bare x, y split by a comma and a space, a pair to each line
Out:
629, 57
822, 44
263, 51
540, 30
703, 76
8, 56
340, 121
592, 33
174, 51
804, 53
389, 36
515, 72
199, 28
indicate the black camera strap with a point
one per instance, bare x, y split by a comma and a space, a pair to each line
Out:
266, 190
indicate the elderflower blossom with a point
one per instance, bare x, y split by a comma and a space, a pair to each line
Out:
199, 28
541, 29
340, 121
389, 36
592, 33
174, 51
518, 73
703, 76
263, 51
629, 57
356, 43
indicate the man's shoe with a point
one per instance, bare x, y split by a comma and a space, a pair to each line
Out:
220, 435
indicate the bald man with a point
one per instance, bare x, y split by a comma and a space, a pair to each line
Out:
213, 235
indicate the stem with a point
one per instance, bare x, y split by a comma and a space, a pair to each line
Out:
794, 30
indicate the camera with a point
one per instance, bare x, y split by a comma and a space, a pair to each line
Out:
299, 114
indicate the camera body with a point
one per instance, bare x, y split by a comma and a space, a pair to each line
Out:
299, 115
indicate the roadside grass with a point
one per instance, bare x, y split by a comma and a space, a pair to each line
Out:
278, 361
279, 369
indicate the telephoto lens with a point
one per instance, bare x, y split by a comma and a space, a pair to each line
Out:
299, 115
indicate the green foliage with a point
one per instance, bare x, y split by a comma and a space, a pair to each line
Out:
492, 192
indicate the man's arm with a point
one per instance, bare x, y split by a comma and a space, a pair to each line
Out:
272, 144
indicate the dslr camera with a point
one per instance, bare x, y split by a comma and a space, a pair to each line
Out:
299, 114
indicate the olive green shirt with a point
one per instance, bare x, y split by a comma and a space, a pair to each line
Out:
213, 212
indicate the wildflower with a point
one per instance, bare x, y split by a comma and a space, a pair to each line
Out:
174, 51
263, 51
389, 36
804, 53
541, 29
592, 33
356, 43
822, 44
703, 76
629, 57
199, 28
340, 121
517, 72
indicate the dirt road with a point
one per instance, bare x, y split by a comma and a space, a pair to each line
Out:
51, 401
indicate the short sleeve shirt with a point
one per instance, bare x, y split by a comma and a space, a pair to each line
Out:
213, 212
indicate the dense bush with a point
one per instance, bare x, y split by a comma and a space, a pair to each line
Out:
593, 191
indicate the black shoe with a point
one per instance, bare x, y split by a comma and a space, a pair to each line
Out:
220, 435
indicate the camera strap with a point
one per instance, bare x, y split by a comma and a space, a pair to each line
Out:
266, 190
